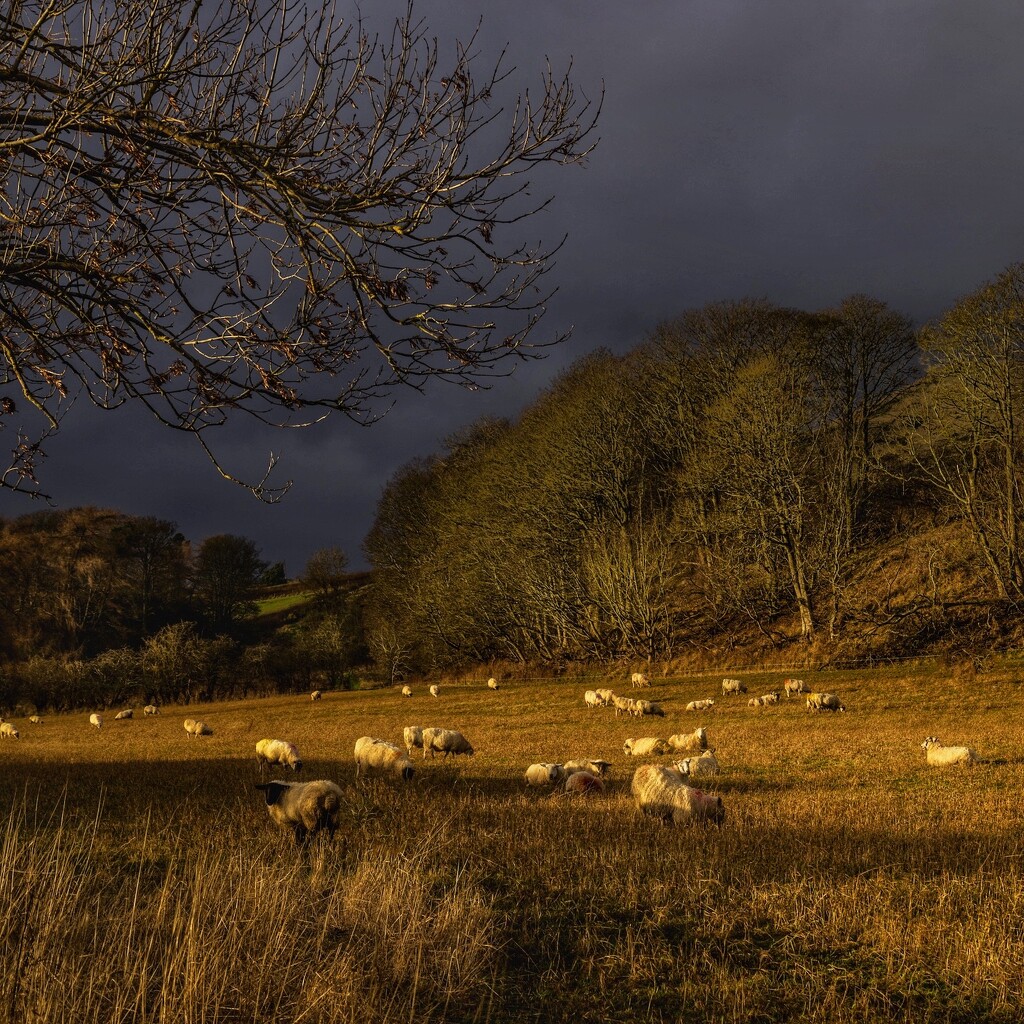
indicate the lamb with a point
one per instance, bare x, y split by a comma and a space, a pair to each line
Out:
492, 683
639, 680
592, 765
647, 707
35, 720
792, 686
316, 695
545, 774
696, 740
662, 793
646, 745
607, 696
122, 716
623, 705
278, 752
435, 690
151, 709
372, 753
406, 691
701, 705
937, 754
413, 736
196, 728
706, 764
8, 732
764, 700
307, 808
732, 686
583, 784
445, 741
824, 702
591, 699
96, 720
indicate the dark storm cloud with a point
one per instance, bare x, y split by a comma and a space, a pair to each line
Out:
798, 151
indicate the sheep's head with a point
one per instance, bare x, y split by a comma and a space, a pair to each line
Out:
931, 741
627, 747
273, 791
296, 765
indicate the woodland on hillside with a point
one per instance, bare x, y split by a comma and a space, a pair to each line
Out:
835, 484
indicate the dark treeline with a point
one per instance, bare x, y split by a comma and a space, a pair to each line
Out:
749, 474
102, 608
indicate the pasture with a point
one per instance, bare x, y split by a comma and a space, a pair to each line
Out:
141, 878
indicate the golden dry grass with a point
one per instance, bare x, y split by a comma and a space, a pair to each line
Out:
142, 880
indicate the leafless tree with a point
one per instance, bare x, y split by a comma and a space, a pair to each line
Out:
222, 206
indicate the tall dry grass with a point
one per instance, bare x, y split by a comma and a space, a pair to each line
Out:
142, 880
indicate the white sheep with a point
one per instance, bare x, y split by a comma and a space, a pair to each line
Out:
705, 764
639, 680
8, 732
492, 683
646, 745
732, 686
792, 686
593, 765
278, 752
663, 793
623, 705
937, 754
381, 755
35, 720
445, 741
824, 702
647, 707
607, 697
434, 690
696, 740
406, 691
544, 774
307, 808
96, 720
592, 700
316, 695
197, 728
151, 709
413, 736
701, 705
764, 700
122, 716
583, 784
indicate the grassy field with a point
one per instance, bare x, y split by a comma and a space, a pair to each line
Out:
283, 602
141, 878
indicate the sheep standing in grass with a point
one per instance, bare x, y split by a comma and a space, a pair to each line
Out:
194, 728
316, 695
96, 721
639, 680
937, 754
151, 709
701, 705
406, 691
591, 699
646, 745
705, 764
123, 716
307, 808
435, 690
607, 697
824, 702
35, 720
544, 774
380, 755
663, 793
583, 784
278, 752
445, 741
792, 686
593, 765
8, 732
696, 740
492, 683
413, 736
730, 686
623, 705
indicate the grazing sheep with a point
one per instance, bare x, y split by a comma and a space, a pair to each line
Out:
623, 705
593, 765
663, 793
696, 740
8, 732
824, 702
316, 695
307, 808
792, 686
647, 707
96, 720
278, 752
492, 683
435, 690
35, 720
705, 764
764, 700
607, 697
583, 784
646, 745
196, 728
639, 680
122, 716
937, 754
372, 753
732, 686
701, 705
406, 691
445, 741
544, 774
591, 699
151, 709
413, 736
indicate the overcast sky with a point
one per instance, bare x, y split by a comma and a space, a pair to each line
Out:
797, 151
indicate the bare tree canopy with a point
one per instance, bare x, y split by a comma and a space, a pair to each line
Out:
212, 206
